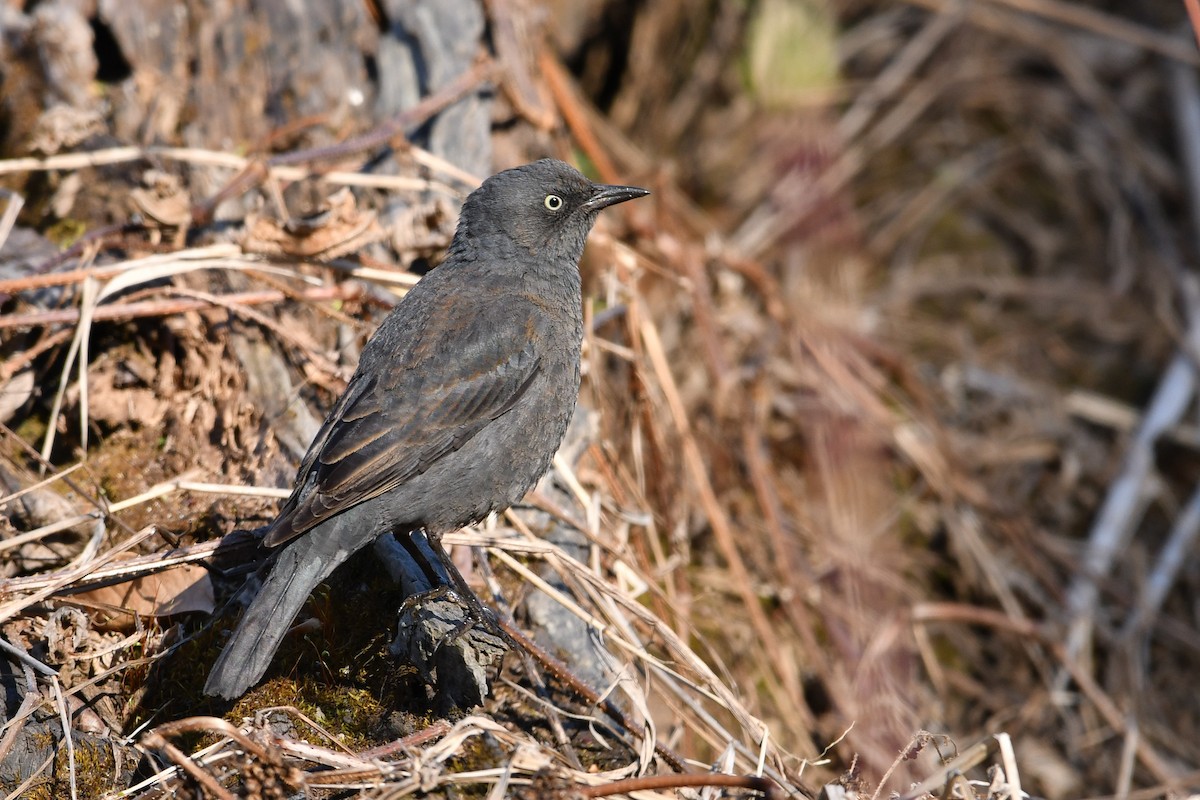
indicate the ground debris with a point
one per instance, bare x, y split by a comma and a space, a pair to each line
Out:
859, 382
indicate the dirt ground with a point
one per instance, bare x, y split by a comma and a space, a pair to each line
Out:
883, 475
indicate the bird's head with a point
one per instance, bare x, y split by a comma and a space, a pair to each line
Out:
546, 207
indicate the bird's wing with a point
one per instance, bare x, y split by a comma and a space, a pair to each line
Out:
414, 399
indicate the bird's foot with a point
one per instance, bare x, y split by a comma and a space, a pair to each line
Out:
452, 642
475, 615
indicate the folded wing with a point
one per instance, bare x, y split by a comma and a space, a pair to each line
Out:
398, 418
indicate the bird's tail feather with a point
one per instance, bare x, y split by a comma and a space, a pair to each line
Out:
300, 566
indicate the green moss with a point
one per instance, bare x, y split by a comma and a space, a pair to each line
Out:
44, 740
32, 429
351, 714
40, 790
66, 232
95, 772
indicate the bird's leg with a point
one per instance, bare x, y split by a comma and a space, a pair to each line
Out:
420, 555
478, 610
445, 579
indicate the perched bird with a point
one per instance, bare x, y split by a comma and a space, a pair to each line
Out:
459, 402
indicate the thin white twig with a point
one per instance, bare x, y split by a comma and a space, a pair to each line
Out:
11, 211
65, 718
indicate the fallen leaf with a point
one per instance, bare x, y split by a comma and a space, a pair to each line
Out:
178, 590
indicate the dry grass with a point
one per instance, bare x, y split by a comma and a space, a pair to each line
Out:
887, 471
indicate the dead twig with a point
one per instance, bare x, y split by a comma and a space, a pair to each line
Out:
767, 787
1099, 22
566, 98
166, 308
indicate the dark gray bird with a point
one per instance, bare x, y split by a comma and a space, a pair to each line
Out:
458, 404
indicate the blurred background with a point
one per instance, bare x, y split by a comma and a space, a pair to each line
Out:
890, 384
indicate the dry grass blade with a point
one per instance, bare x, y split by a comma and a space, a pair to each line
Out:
1104, 24
239, 301
9, 218
69, 576
1121, 511
860, 377
215, 158
708, 499
900, 71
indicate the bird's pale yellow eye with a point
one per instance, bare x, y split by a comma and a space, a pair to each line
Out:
553, 202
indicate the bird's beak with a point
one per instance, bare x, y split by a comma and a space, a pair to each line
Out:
604, 196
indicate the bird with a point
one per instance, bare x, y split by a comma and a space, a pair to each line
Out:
458, 403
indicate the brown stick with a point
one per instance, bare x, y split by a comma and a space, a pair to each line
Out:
162, 308
651, 782
1193, 11
568, 103
25, 283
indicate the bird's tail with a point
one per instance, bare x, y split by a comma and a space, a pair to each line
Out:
300, 566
